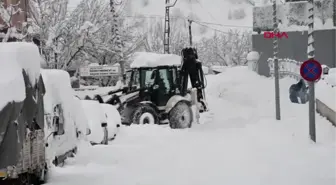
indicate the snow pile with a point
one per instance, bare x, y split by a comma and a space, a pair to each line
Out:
59, 92
253, 56
15, 57
218, 69
205, 69
147, 59
96, 116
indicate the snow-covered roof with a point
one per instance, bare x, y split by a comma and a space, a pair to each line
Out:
147, 59
14, 57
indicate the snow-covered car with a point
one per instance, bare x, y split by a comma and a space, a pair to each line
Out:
113, 120
330, 78
82, 124
60, 116
97, 122
325, 69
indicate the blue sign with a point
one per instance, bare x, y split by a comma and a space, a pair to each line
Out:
311, 70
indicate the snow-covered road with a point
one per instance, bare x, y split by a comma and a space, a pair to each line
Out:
238, 143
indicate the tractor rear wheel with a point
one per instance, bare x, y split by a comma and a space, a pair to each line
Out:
180, 116
145, 114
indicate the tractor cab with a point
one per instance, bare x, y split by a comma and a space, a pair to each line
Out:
156, 84
157, 90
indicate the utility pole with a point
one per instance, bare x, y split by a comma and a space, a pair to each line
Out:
166, 37
334, 12
190, 34
276, 63
117, 41
311, 55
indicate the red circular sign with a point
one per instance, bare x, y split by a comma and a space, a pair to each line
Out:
311, 70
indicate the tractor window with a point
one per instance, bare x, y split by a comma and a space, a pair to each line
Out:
136, 79
146, 78
166, 79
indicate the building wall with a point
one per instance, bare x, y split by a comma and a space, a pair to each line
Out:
20, 17
295, 47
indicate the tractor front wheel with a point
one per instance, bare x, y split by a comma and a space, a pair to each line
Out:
145, 114
180, 116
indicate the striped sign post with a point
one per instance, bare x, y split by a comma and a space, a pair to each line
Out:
276, 62
311, 84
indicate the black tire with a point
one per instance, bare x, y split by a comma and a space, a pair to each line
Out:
145, 114
180, 116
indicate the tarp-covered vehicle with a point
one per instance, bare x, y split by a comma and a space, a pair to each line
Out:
22, 146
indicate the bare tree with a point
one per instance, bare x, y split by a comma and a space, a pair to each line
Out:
225, 49
68, 39
10, 23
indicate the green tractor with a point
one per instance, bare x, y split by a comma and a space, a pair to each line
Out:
157, 90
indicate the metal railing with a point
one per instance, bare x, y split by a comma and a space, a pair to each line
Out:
287, 68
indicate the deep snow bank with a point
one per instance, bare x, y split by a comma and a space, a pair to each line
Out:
243, 92
238, 143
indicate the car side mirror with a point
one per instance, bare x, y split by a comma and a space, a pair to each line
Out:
59, 127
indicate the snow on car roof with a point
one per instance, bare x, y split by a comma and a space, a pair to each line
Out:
27, 55
148, 59
14, 57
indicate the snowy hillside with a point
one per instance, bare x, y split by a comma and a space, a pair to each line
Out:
239, 142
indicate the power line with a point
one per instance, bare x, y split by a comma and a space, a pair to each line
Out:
225, 25
205, 9
184, 18
214, 28
197, 22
